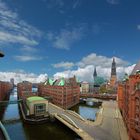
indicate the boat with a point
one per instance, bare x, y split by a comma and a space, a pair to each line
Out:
34, 110
3, 133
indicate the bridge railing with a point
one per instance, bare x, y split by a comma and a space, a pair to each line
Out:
11, 102
75, 114
67, 119
100, 96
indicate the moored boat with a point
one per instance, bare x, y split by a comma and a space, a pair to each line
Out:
34, 109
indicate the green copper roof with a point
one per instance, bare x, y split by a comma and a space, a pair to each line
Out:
62, 82
51, 81
126, 77
35, 98
99, 80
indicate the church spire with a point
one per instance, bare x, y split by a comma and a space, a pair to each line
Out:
113, 68
95, 73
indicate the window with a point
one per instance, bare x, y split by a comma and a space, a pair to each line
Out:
137, 86
40, 109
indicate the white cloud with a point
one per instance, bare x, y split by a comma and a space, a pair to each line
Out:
54, 3
138, 27
11, 38
99, 60
113, 1
65, 65
15, 30
122, 70
76, 4
96, 29
22, 76
60, 5
103, 65
66, 37
86, 73
28, 49
25, 58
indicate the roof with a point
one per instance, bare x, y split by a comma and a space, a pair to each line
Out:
35, 98
136, 68
60, 82
84, 82
51, 81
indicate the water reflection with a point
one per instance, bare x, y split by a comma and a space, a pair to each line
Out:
53, 131
88, 112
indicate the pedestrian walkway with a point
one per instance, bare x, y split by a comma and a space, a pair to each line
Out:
108, 125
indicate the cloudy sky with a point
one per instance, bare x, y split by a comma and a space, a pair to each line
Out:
56, 38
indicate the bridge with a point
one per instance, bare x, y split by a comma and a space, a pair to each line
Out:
10, 102
91, 100
99, 96
108, 125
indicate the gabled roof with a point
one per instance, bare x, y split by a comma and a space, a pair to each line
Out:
136, 68
59, 82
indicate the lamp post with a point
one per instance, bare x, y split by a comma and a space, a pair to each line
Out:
1, 54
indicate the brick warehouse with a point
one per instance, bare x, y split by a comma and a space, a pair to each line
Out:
129, 102
64, 92
5, 87
24, 90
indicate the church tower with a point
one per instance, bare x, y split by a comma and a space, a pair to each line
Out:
95, 73
113, 78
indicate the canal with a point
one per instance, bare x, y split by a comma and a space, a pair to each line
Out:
54, 131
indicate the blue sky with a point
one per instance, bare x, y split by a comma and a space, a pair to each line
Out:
68, 37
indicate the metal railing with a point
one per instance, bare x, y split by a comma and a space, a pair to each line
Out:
68, 119
75, 114
4, 131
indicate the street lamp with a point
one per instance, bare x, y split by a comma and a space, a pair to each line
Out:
1, 54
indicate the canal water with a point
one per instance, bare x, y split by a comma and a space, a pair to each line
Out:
54, 131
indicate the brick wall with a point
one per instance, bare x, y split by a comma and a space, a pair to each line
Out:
129, 104
5, 87
63, 96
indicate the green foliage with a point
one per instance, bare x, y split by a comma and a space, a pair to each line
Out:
103, 89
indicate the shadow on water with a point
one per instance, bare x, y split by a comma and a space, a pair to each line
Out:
4, 106
53, 131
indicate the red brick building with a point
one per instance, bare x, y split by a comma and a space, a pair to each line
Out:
5, 87
129, 103
64, 92
24, 90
